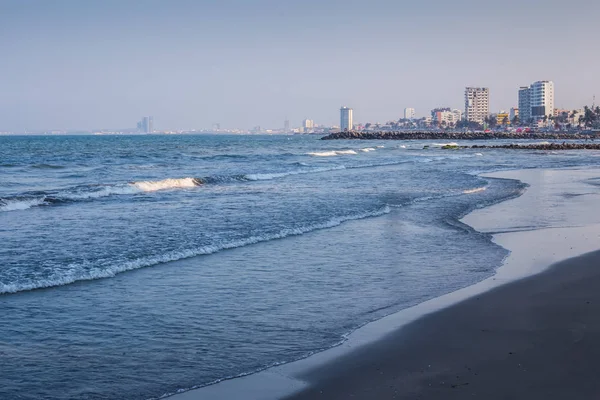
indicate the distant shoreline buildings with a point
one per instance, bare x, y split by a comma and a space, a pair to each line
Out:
535, 108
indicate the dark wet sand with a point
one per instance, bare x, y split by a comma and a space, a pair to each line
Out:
537, 338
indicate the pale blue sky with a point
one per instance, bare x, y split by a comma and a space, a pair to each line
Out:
104, 64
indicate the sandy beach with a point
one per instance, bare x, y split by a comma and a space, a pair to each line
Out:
538, 338
529, 331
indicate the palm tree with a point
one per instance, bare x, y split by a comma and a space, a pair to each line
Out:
515, 120
505, 121
588, 116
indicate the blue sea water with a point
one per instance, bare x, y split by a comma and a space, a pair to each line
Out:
132, 267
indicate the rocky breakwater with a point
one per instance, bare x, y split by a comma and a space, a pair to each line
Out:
424, 135
540, 146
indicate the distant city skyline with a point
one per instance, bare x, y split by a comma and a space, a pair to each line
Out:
77, 65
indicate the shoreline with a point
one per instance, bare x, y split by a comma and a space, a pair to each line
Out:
295, 377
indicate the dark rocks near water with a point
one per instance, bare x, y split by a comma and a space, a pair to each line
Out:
541, 146
424, 135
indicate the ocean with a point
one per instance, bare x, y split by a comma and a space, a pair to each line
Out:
134, 267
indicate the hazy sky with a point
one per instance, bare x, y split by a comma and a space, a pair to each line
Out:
87, 64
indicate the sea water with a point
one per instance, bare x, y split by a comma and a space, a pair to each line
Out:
133, 267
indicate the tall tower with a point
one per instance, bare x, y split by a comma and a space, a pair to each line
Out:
346, 119
477, 104
409, 113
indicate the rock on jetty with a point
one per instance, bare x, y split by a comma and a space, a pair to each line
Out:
410, 135
541, 146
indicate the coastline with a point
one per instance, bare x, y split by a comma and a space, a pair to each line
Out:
527, 236
444, 135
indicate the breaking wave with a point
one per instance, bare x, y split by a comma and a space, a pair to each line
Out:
332, 153
20, 203
85, 272
153, 186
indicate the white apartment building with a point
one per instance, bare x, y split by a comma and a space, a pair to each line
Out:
409, 113
477, 104
542, 99
536, 101
308, 124
346, 119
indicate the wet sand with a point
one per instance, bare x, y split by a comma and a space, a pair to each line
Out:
529, 331
537, 338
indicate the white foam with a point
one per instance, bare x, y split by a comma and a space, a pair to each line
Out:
367, 149
478, 154
152, 186
20, 204
102, 192
444, 144
332, 153
85, 271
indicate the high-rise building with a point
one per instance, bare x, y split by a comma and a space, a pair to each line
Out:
524, 104
346, 119
536, 101
286, 125
477, 104
542, 99
146, 125
514, 112
409, 113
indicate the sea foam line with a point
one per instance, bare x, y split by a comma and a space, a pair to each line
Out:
332, 153
76, 273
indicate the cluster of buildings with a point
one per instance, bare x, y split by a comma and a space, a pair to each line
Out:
535, 108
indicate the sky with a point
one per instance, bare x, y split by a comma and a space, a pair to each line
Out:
91, 64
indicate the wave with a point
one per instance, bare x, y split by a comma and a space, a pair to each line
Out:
367, 149
90, 192
47, 166
476, 190
153, 186
332, 153
82, 272
275, 175
16, 204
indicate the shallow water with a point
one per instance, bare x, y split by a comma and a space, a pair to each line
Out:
171, 262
